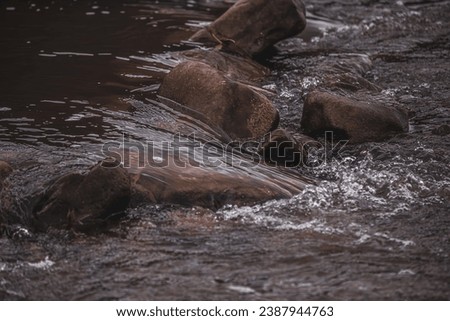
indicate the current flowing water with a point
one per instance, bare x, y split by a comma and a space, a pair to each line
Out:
77, 74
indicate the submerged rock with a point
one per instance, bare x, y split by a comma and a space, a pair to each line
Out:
442, 130
232, 66
75, 200
351, 119
251, 26
283, 149
210, 96
345, 73
5, 171
211, 185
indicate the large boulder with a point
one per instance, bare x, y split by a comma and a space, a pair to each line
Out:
207, 94
251, 26
351, 119
77, 200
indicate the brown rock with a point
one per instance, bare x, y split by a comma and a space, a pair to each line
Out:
75, 200
230, 106
351, 119
442, 130
211, 189
283, 149
5, 171
250, 26
232, 66
208, 186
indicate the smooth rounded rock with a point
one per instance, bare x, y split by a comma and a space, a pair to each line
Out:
210, 96
251, 26
77, 200
442, 130
210, 187
351, 119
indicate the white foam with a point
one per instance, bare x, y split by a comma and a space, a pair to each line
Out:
406, 272
241, 289
404, 243
43, 265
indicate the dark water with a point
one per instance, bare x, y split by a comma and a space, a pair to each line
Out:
76, 74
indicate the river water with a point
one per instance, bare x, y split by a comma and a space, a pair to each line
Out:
76, 74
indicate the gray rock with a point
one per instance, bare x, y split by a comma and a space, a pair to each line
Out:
351, 119
251, 26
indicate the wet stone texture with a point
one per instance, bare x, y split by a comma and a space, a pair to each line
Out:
235, 108
251, 26
357, 121
5, 171
79, 201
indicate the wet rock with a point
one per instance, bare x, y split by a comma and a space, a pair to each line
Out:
210, 96
209, 186
251, 26
345, 72
283, 149
444, 192
200, 187
442, 130
351, 119
350, 82
77, 200
5, 171
233, 67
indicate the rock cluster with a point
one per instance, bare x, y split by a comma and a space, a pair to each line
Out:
216, 86
219, 87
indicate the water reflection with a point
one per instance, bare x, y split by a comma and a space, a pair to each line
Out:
66, 53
